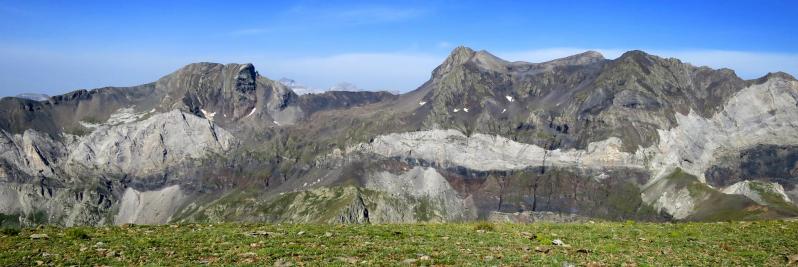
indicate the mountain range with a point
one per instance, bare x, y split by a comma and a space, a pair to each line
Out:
638, 137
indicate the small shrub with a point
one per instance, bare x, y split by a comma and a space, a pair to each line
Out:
485, 226
9, 231
77, 233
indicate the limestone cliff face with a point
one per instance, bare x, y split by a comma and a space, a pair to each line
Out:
760, 114
637, 137
146, 148
82, 179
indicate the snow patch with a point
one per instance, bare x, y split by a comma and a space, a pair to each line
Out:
456, 110
465, 109
509, 98
207, 115
421, 103
602, 176
120, 116
251, 112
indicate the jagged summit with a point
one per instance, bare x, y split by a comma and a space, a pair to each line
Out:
481, 59
459, 56
583, 58
779, 74
208, 68
484, 60
484, 138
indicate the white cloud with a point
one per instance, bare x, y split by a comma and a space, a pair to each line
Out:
251, 31
301, 18
372, 14
371, 71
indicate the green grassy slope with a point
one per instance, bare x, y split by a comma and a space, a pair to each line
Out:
763, 243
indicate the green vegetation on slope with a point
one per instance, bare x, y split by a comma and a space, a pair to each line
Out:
774, 200
764, 243
712, 205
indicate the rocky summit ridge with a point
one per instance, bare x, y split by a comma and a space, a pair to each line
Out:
637, 137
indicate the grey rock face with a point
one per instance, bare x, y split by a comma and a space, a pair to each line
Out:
357, 212
147, 147
424, 186
638, 137
149, 207
214, 87
55, 178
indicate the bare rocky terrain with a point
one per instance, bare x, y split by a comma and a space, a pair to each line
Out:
638, 137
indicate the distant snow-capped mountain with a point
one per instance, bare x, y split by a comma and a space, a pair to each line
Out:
298, 88
33, 96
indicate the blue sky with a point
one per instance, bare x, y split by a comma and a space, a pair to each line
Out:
54, 47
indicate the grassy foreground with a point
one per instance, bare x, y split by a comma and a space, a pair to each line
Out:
585, 244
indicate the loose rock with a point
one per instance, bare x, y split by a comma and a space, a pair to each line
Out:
39, 236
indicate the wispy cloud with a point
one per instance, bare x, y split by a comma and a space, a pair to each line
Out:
303, 17
371, 71
251, 31
10, 10
372, 14
444, 44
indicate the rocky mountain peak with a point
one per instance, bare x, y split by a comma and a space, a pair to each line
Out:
780, 74
464, 55
773, 75
211, 87
583, 58
610, 139
460, 55
636, 56
457, 57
